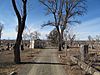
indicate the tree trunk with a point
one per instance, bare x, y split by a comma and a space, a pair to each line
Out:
17, 58
60, 40
59, 44
0, 38
60, 47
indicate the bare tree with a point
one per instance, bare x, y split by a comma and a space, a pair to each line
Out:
21, 25
71, 38
25, 36
91, 41
30, 34
90, 38
66, 33
1, 28
36, 35
53, 37
64, 13
97, 38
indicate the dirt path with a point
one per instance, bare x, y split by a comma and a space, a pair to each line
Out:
47, 64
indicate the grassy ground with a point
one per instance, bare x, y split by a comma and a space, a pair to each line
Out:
71, 68
7, 65
6, 60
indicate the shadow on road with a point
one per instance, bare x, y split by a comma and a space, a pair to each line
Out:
42, 63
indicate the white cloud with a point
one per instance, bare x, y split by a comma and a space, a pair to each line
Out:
9, 35
2, 22
91, 27
43, 34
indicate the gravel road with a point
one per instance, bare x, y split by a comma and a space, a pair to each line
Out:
47, 64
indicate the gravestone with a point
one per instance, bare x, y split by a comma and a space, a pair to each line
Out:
32, 44
22, 47
84, 52
8, 46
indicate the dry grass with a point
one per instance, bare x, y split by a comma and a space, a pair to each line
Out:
71, 68
6, 60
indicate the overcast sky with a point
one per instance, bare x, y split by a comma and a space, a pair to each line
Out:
36, 16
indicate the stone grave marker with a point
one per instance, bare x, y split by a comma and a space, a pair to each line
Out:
84, 52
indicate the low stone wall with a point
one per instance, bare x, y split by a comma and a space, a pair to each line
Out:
87, 68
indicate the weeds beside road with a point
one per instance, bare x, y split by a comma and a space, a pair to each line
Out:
6, 60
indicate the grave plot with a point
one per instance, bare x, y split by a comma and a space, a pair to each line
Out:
85, 59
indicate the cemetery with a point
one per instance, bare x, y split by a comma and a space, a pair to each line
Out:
86, 58
49, 37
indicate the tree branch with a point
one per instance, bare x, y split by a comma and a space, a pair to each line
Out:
48, 23
46, 5
16, 10
24, 10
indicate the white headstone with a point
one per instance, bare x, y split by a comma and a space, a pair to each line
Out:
31, 43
